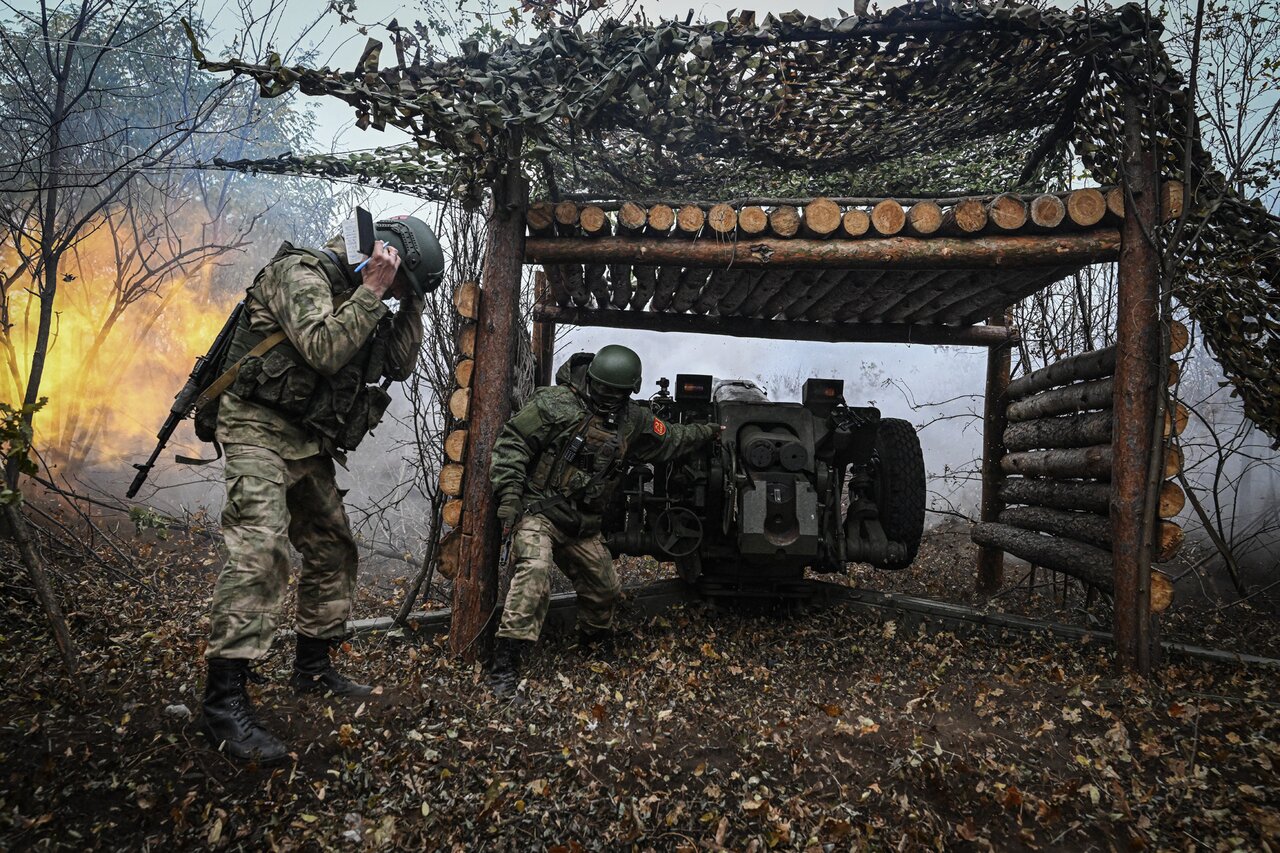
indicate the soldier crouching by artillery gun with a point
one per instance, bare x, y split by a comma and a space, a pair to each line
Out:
583, 473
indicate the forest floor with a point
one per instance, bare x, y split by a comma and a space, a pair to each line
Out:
716, 729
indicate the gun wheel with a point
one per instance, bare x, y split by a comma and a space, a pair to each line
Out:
900, 486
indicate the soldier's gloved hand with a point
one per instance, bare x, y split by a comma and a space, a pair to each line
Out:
713, 431
509, 514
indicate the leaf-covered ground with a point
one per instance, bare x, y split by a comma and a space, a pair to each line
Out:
717, 729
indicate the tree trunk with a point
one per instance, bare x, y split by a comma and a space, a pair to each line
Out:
45, 595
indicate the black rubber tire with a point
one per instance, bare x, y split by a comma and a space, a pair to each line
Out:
900, 486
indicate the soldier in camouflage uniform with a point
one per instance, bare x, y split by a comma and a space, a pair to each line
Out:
553, 469
313, 339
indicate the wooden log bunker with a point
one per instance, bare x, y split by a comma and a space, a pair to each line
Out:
948, 280
646, 140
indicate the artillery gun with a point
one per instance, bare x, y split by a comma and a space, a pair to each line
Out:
817, 484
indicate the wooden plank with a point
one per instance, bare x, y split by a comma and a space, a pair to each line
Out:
748, 327
993, 252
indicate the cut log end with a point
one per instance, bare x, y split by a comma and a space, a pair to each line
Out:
888, 217
784, 221
541, 219
451, 476
466, 299
455, 445
753, 220
1085, 208
821, 218
855, 223
661, 217
1006, 213
462, 372
1047, 211
1172, 500
1171, 200
566, 214
968, 216
690, 219
460, 403
451, 513
1115, 202
594, 221
632, 217
467, 340
722, 219
924, 218
1161, 592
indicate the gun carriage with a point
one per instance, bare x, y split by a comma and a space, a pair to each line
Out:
812, 485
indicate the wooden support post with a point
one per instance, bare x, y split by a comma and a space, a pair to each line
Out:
999, 359
1138, 362
544, 334
475, 591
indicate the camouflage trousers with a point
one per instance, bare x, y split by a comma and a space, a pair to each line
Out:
272, 501
538, 547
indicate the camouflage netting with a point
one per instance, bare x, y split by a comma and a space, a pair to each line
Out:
926, 99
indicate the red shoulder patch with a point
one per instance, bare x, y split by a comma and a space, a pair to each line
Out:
659, 428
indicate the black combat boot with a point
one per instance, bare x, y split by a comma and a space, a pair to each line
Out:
601, 645
313, 671
228, 719
504, 673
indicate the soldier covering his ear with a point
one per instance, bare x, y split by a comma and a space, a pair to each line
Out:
310, 359
553, 469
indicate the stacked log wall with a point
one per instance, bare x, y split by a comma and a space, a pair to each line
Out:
453, 473
1056, 468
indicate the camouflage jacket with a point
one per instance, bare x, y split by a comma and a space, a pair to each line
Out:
292, 294
528, 457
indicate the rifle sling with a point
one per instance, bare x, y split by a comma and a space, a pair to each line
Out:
229, 375
222, 383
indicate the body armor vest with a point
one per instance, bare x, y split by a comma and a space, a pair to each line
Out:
579, 471
339, 409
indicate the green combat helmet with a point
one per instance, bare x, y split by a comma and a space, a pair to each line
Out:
421, 259
614, 373
616, 366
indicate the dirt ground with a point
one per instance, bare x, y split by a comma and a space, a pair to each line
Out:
716, 729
